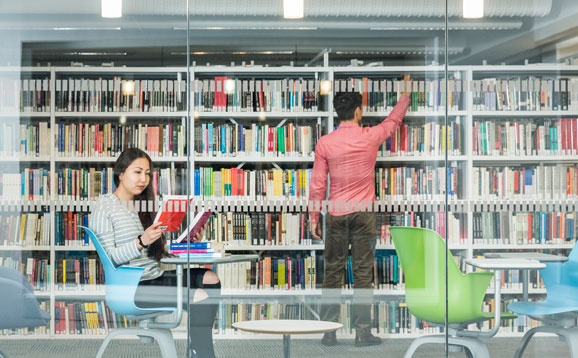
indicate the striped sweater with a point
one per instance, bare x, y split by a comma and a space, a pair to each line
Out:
117, 229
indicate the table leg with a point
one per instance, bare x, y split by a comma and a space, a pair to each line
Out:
287, 345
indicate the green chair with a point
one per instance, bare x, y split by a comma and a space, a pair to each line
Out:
422, 256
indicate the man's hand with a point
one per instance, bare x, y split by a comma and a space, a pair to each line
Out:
316, 231
408, 84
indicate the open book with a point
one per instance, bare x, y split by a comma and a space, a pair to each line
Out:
196, 224
173, 211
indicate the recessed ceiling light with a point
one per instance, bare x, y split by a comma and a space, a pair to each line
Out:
293, 9
473, 9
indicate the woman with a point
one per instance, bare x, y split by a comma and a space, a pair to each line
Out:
121, 232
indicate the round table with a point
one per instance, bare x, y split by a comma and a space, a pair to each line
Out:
287, 327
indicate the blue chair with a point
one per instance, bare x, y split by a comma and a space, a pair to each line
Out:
121, 284
19, 307
560, 309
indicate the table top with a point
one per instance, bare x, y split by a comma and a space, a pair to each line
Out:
287, 326
505, 264
532, 255
214, 260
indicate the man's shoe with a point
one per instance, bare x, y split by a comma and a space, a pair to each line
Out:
329, 339
365, 339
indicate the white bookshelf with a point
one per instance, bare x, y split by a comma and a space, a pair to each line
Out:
466, 160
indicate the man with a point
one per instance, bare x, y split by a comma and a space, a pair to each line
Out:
349, 155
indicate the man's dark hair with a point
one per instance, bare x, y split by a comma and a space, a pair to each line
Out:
345, 104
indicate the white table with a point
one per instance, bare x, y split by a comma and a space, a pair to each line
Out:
287, 328
497, 265
529, 255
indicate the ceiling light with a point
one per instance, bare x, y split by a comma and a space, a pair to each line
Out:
293, 9
229, 86
111, 8
128, 88
325, 87
473, 9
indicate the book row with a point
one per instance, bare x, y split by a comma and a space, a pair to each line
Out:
223, 94
399, 183
424, 139
78, 272
110, 139
283, 273
528, 93
267, 140
23, 139
527, 137
87, 318
30, 184
456, 223
119, 95
426, 182
91, 183
239, 229
536, 182
25, 229
506, 227
27, 95
381, 95
36, 271
524, 93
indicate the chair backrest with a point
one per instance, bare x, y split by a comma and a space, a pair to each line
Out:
121, 282
19, 307
422, 256
561, 280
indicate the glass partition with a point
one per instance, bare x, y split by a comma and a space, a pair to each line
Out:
519, 62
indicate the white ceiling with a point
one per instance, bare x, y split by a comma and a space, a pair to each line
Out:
390, 29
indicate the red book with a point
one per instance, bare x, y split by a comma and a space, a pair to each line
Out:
562, 136
261, 96
403, 137
574, 134
530, 228
172, 213
234, 181
198, 222
74, 231
192, 251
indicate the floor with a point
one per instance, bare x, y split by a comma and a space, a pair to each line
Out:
539, 347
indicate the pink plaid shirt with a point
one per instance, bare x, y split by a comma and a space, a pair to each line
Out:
349, 155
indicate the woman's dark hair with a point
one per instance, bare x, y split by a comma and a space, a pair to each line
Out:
157, 249
345, 104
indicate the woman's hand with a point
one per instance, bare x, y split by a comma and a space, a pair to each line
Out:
151, 234
199, 236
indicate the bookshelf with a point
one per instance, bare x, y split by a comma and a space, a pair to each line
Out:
463, 158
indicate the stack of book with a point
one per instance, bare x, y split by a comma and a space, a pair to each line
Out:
197, 250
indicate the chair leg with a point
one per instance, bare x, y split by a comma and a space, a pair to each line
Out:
524, 342
164, 338
3, 355
571, 335
475, 347
166, 342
